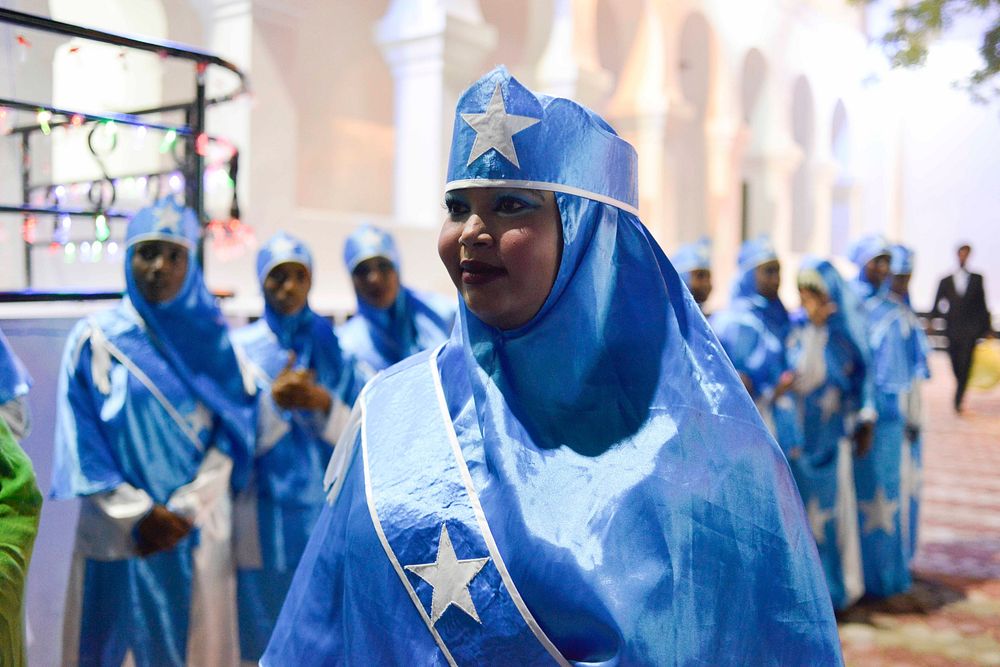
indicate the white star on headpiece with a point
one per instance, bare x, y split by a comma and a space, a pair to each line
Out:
170, 220
879, 513
283, 246
495, 128
450, 578
370, 237
818, 518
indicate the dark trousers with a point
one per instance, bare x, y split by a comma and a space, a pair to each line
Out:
960, 351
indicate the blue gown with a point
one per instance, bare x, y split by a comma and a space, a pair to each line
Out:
276, 513
136, 426
551, 494
878, 475
830, 362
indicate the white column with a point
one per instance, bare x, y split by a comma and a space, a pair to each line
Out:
569, 65
824, 176
434, 49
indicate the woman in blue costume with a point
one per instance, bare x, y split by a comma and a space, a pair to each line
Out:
917, 350
754, 331
154, 432
694, 264
877, 475
830, 355
393, 321
575, 476
306, 390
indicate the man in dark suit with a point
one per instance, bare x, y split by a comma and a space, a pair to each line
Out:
962, 302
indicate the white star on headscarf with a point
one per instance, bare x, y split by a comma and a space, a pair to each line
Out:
818, 518
170, 220
880, 513
495, 128
450, 578
282, 247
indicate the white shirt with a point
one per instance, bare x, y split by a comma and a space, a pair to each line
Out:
961, 278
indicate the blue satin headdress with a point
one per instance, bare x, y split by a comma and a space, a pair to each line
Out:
279, 249
868, 248
820, 274
693, 256
901, 260
14, 377
190, 331
366, 242
755, 252
507, 136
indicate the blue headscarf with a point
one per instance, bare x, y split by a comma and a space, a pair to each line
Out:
307, 334
863, 251
819, 274
693, 257
397, 331
190, 331
14, 377
900, 260
753, 253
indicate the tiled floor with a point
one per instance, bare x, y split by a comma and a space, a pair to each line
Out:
952, 616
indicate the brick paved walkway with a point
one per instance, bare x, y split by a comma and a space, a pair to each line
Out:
952, 616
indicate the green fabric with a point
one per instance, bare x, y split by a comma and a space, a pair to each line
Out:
20, 506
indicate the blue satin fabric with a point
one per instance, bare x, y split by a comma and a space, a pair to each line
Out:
692, 257
378, 338
15, 381
877, 475
643, 512
288, 477
190, 333
827, 412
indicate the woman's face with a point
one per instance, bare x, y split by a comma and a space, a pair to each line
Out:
376, 282
768, 277
502, 248
159, 269
877, 270
286, 287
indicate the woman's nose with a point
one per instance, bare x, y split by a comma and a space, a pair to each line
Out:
474, 232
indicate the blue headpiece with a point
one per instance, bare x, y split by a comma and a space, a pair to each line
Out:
901, 260
282, 248
693, 256
820, 275
755, 252
505, 135
190, 331
14, 378
868, 248
367, 242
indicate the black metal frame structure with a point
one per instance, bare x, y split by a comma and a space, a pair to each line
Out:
191, 164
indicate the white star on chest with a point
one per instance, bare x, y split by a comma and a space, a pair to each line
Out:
880, 513
829, 403
495, 128
818, 518
450, 578
200, 418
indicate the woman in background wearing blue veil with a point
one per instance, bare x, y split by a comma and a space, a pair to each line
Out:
306, 389
577, 475
393, 321
694, 264
917, 350
753, 331
154, 433
830, 355
877, 475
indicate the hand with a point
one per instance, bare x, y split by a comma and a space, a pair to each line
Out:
818, 308
297, 389
161, 530
785, 382
863, 438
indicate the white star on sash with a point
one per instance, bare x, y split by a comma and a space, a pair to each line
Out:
818, 518
495, 129
879, 513
450, 578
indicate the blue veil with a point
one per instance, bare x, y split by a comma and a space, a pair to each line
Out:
863, 251
692, 257
753, 253
849, 318
191, 334
14, 377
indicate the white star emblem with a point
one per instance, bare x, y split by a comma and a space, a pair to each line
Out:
495, 129
880, 513
829, 403
169, 220
369, 238
818, 518
282, 247
449, 577
200, 418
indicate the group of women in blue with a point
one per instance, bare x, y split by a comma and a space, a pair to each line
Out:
198, 453
848, 363
576, 476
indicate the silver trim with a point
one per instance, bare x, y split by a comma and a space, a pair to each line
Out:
477, 508
539, 185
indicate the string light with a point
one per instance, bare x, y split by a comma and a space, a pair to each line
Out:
168, 140
76, 120
43, 117
102, 231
